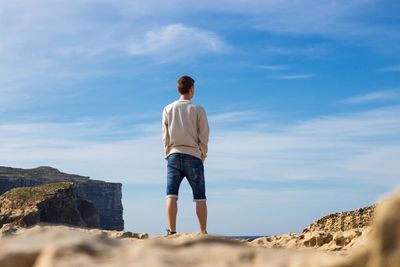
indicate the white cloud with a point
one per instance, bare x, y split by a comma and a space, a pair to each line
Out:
235, 116
395, 68
282, 72
295, 76
273, 67
176, 41
387, 95
313, 51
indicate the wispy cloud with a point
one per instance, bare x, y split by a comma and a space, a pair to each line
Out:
339, 20
273, 67
295, 76
236, 116
283, 69
322, 148
395, 68
175, 41
379, 96
313, 51
85, 146
358, 146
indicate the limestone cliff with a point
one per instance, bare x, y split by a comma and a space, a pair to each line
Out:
56, 203
107, 197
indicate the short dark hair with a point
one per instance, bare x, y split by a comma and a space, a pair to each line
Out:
184, 84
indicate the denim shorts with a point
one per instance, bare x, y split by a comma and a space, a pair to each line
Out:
183, 165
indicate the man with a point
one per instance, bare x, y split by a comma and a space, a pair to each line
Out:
185, 136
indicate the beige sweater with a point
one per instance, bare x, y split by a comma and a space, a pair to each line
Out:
185, 129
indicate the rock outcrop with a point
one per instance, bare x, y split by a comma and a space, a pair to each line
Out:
56, 203
107, 197
38, 247
335, 232
344, 221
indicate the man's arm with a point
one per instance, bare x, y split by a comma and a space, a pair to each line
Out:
203, 132
165, 134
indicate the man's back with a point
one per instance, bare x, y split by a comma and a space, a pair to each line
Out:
185, 137
185, 129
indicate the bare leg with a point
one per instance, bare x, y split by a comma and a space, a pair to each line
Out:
172, 211
201, 211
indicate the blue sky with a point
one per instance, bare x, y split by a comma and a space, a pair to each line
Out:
303, 99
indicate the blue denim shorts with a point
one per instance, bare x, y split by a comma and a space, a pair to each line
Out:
180, 166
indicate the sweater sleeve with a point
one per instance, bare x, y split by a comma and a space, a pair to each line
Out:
165, 134
203, 133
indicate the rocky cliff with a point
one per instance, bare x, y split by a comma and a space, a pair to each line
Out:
56, 203
107, 197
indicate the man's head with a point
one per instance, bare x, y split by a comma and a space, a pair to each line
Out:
186, 86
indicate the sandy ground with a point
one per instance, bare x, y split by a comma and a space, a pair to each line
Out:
46, 246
